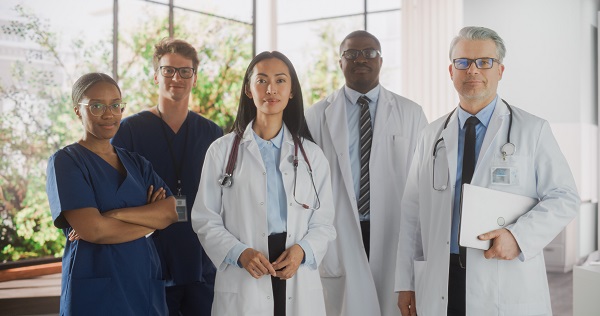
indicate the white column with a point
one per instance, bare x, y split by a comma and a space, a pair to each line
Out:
266, 25
428, 26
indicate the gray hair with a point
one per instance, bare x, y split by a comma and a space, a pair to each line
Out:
480, 33
87, 81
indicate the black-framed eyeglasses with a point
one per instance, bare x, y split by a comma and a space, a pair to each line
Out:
184, 72
369, 53
97, 108
480, 63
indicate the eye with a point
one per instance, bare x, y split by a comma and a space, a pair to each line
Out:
115, 105
96, 105
281, 80
261, 80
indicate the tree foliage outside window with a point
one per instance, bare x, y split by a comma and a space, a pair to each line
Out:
37, 116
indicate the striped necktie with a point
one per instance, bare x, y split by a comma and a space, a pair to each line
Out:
366, 137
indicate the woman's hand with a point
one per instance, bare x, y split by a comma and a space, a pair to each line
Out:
73, 235
287, 264
157, 195
256, 263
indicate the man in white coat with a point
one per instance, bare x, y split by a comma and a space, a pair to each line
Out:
432, 275
357, 271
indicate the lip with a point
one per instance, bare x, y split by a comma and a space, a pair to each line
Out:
108, 126
361, 70
271, 101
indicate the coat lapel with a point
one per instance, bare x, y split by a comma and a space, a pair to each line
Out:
498, 119
337, 123
382, 115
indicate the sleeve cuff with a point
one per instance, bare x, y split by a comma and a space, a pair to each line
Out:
234, 253
309, 257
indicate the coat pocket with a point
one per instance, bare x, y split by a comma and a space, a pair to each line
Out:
330, 265
90, 297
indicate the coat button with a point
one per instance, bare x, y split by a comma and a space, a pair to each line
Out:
289, 298
263, 234
290, 204
290, 235
264, 173
268, 297
261, 203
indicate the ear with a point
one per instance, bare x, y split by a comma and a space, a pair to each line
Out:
451, 71
156, 78
247, 92
291, 95
77, 110
340, 63
501, 71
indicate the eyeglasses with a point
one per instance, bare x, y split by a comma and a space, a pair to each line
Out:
184, 72
480, 63
98, 109
369, 53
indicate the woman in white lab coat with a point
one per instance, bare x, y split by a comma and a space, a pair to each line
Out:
537, 168
261, 215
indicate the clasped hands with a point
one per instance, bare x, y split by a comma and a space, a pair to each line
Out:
284, 267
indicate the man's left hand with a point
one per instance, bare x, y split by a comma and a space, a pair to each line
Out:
504, 245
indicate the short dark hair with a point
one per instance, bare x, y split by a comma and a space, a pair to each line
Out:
174, 46
87, 81
293, 114
360, 33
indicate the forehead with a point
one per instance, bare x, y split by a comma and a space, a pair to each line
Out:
102, 91
360, 43
175, 60
474, 49
271, 66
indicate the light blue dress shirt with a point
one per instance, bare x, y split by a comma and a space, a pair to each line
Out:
270, 151
353, 116
484, 117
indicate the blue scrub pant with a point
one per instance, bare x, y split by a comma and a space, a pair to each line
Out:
190, 299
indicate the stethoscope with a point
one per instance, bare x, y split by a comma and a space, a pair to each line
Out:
508, 149
226, 180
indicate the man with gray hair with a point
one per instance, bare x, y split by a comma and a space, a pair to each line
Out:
487, 143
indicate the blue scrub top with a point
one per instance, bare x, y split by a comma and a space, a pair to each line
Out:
182, 257
98, 279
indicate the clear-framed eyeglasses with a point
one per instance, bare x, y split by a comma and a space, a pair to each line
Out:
369, 53
480, 63
184, 72
98, 109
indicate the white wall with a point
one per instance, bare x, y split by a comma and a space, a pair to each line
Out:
558, 36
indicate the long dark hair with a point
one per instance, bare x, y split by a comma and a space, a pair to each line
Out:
293, 114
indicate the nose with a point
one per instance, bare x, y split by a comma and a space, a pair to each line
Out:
360, 59
271, 89
472, 68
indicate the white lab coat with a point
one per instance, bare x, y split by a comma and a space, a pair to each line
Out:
494, 287
224, 217
353, 285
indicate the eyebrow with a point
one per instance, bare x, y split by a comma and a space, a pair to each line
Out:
99, 100
279, 74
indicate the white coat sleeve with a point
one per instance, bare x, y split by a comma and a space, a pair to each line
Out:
207, 222
559, 201
409, 242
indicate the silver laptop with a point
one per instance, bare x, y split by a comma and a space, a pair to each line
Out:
483, 210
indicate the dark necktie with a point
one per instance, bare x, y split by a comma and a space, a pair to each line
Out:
468, 166
366, 137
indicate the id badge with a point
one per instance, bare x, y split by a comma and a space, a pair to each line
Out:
504, 175
181, 208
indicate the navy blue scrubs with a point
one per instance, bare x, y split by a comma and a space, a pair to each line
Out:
115, 279
188, 271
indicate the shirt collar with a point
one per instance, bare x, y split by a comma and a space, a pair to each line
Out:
276, 141
353, 95
484, 116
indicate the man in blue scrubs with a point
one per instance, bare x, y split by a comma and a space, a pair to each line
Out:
175, 141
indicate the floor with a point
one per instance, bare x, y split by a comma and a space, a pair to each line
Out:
42, 295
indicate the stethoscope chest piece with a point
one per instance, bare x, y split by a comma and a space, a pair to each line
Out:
226, 181
508, 149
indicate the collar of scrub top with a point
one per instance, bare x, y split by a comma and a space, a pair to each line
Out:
353, 95
276, 141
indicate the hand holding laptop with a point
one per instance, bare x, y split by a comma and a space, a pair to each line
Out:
504, 244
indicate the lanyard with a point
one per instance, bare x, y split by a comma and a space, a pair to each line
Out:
176, 166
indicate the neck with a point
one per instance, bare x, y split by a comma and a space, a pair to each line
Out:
173, 113
100, 147
267, 126
473, 106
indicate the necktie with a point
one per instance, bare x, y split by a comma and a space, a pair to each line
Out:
366, 137
468, 166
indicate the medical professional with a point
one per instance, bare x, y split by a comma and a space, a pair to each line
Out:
112, 199
175, 139
264, 208
512, 151
358, 269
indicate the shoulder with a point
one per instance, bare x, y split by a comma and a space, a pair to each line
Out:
405, 104
137, 118
321, 105
204, 124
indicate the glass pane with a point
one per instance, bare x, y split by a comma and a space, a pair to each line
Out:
381, 5
387, 28
141, 25
44, 50
225, 50
316, 56
240, 10
290, 11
